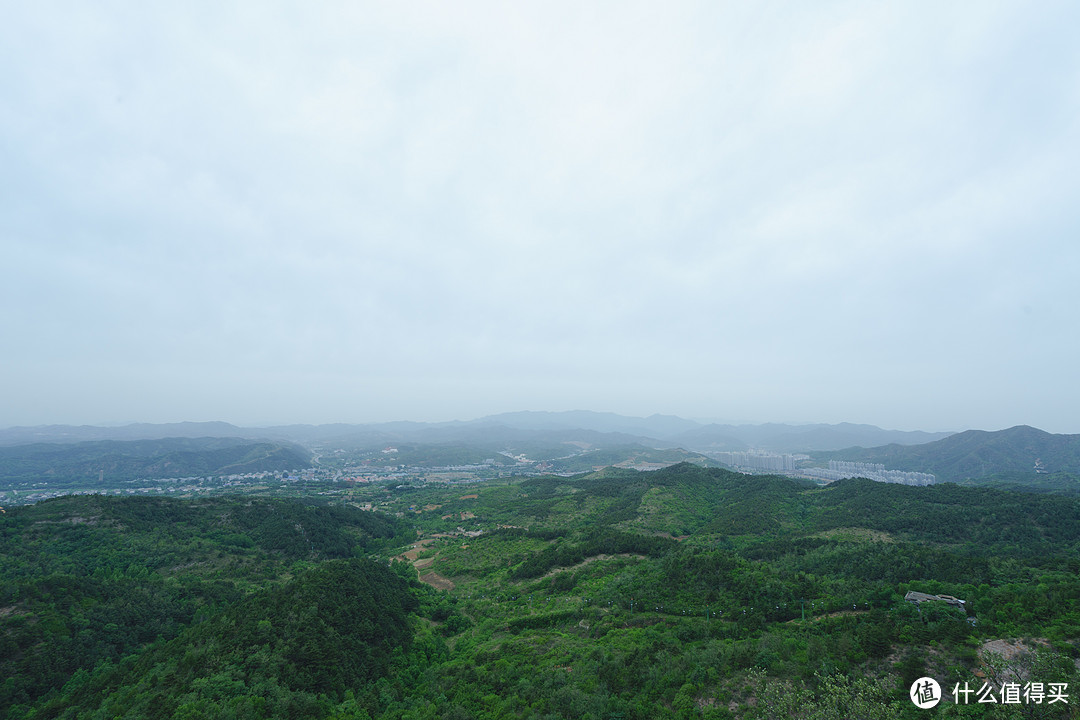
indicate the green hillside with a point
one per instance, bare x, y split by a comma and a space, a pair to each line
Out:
687, 592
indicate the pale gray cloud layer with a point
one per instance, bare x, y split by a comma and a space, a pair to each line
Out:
274, 212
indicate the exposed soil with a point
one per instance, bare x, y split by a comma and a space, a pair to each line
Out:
437, 581
416, 549
1009, 649
433, 579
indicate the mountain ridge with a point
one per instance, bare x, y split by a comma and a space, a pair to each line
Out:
976, 454
659, 431
64, 463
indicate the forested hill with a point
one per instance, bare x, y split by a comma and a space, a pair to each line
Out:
152, 607
687, 500
976, 454
687, 592
62, 465
663, 594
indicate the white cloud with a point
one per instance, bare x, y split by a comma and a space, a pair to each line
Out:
503, 206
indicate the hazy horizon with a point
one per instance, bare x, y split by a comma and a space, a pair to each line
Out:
699, 420
357, 212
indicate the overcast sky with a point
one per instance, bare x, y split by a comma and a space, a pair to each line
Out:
350, 212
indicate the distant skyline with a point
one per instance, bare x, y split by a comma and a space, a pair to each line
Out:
273, 213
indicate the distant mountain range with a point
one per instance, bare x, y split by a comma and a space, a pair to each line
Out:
135, 431
1021, 457
594, 429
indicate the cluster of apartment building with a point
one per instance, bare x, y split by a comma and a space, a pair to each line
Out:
841, 469
758, 460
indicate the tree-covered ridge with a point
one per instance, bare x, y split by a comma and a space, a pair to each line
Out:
93, 579
66, 465
685, 500
981, 518
677, 500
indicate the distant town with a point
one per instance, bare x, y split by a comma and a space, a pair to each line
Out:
331, 477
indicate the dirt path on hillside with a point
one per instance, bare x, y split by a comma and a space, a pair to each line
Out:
433, 579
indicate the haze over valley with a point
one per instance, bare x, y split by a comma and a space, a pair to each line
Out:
47, 461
